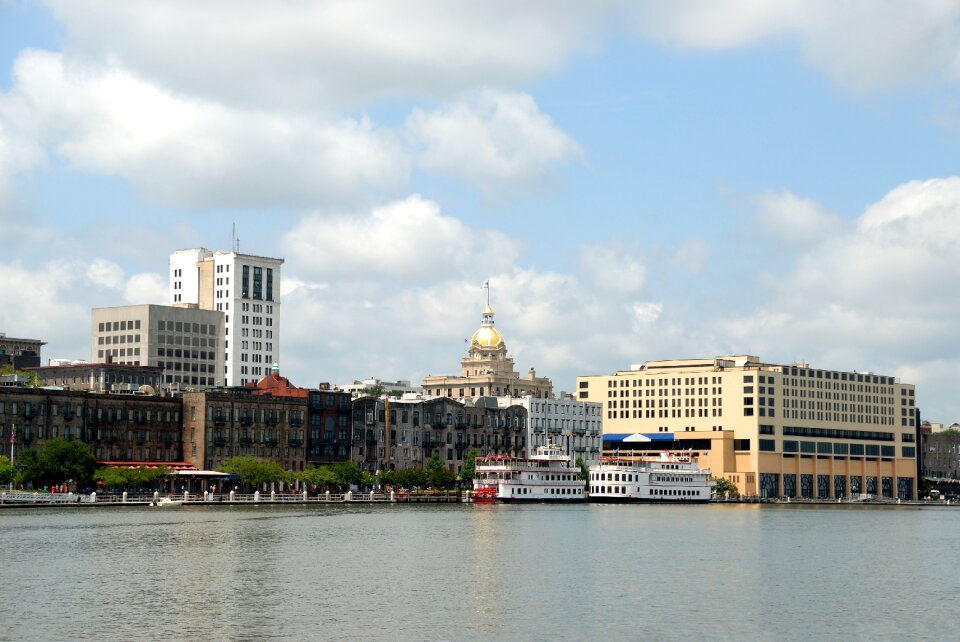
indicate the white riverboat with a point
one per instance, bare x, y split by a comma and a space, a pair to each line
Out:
546, 476
666, 479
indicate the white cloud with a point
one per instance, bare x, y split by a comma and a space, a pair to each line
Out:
54, 299
326, 53
551, 321
146, 287
105, 274
861, 45
692, 254
187, 151
490, 139
405, 240
613, 268
881, 295
795, 220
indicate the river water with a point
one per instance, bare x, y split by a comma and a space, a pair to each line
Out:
452, 572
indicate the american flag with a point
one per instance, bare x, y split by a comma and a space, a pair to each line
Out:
486, 285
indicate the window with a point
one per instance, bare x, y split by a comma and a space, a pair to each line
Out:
257, 282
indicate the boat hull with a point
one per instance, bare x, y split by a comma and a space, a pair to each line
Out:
645, 500
541, 500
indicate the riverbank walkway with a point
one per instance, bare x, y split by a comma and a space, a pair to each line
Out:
10, 499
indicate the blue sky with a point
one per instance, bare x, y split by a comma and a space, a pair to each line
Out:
637, 180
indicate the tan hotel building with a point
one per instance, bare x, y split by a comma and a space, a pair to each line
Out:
773, 430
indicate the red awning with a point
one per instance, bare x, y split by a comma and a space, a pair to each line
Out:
173, 465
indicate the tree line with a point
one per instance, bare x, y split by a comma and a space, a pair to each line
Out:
59, 461
252, 472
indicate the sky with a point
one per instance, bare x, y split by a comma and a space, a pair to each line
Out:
636, 180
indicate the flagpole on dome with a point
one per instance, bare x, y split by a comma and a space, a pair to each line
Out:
486, 286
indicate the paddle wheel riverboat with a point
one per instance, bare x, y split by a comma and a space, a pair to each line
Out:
546, 476
666, 479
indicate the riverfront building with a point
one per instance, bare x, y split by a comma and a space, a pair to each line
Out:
246, 290
773, 430
185, 342
941, 457
102, 377
328, 417
222, 423
420, 427
128, 428
574, 425
487, 370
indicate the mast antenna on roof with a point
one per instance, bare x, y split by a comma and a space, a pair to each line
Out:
234, 241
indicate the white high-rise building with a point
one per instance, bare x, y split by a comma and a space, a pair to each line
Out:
246, 288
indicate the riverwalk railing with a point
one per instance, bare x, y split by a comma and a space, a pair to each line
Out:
272, 497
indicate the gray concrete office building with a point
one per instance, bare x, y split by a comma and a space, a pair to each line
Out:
186, 342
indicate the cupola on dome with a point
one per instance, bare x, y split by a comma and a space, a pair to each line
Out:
487, 336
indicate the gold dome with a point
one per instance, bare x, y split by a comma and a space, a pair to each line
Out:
487, 337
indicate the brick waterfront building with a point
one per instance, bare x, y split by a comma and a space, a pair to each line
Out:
420, 428
129, 428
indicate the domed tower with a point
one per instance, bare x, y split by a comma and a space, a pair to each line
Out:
487, 369
488, 351
487, 338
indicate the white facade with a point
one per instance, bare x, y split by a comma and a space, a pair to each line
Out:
389, 387
246, 288
575, 426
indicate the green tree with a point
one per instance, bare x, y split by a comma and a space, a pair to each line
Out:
584, 469
57, 461
111, 477
723, 485
253, 472
469, 467
33, 379
367, 479
438, 475
348, 473
6, 470
375, 391
411, 478
320, 476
